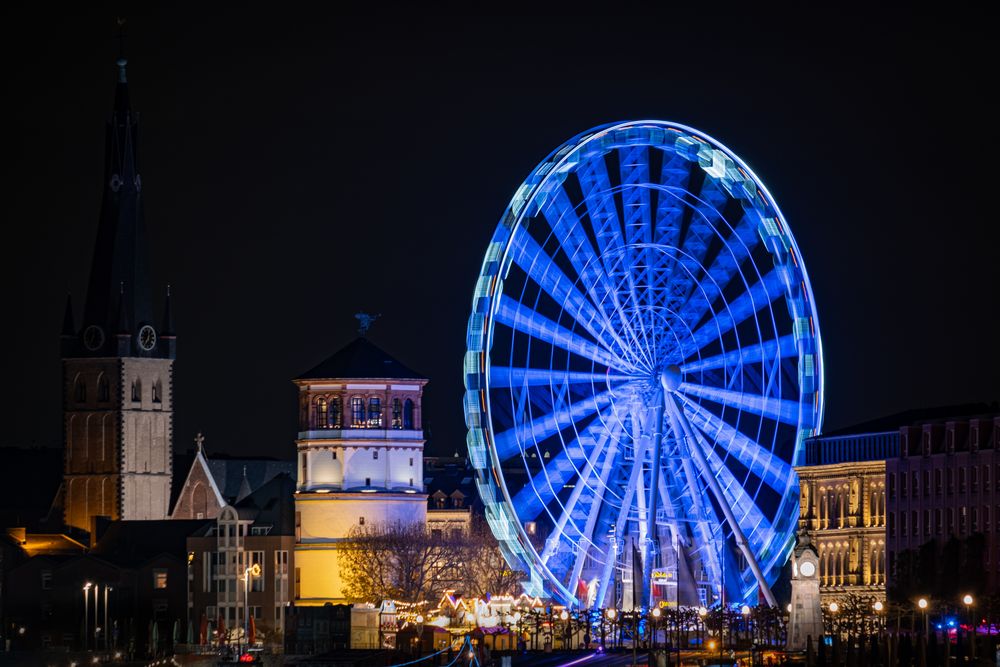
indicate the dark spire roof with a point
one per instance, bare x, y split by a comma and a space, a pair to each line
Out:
123, 327
361, 359
168, 317
68, 327
120, 259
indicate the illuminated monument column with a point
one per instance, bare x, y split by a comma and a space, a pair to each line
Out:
360, 460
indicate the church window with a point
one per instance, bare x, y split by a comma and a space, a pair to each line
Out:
357, 412
408, 414
157, 392
103, 389
137, 389
374, 412
397, 413
335, 419
80, 390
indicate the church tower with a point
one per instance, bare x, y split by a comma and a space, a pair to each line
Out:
360, 451
118, 364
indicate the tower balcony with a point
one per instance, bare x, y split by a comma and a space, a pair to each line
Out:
362, 434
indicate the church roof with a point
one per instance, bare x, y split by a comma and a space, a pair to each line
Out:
361, 359
229, 477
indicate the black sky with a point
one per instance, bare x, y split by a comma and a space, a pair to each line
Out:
299, 167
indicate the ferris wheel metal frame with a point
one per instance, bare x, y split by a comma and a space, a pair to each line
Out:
643, 365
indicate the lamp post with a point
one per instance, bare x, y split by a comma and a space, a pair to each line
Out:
252, 571
86, 614
611, 617
656, 617
922, 605
968, 601
564, 617
107, 627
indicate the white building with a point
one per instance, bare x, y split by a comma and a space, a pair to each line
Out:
360, 459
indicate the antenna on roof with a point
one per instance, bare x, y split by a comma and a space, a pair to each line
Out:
365, 321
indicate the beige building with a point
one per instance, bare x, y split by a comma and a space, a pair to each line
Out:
360, 460
843, 511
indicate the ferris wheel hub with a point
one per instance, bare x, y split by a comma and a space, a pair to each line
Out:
670, 378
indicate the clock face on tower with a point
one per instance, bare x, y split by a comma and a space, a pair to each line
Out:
807, 569
147, 338
93, 337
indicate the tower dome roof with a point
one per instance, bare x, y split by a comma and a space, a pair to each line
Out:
361, 359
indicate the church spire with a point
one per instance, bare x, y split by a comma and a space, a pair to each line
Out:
119, 287
68, 327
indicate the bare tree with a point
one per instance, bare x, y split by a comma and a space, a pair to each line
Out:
482, 567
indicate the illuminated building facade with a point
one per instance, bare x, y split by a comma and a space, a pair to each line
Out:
843, 510
944, 483
360, 459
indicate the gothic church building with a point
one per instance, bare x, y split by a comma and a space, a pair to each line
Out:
118, 361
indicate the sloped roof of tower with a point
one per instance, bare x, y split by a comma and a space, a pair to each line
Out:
120, 266
361, 359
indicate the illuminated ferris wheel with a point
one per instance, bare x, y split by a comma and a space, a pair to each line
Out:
643, 365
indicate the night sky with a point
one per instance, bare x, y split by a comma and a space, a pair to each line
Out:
298, 168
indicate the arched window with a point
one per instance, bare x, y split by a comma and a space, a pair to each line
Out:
335, 419
321, 412
408, 415
374, 412
157, 391
103, 389
397, 413
137, 389
80, 390
357, 412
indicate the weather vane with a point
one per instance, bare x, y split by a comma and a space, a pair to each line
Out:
365, 321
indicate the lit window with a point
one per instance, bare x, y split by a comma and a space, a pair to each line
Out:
374, 412
357, 412
159, 579
321, 407
397, 413
335, 417
408, 414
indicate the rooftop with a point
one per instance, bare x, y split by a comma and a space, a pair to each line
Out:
361, 359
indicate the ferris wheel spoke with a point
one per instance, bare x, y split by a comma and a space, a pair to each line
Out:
527, 321
567, 229
518, 438
584, 489
781, 348
725, 265
587, 537
772, 470
546, 274
622, 517
579, 455
535, 377
750, 518
674, 177
762, 294
779, 409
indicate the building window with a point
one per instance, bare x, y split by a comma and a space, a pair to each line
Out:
321, 412
937, 482
892, 484
80, 391
927, 483
892, 525
46, 580
336, 417
974, 482
159, 579
411, 481
374, 412
903, 478
375, 455
397, 413
157, 392
368, 481
961, 480
103, 389
136, 390
436, 533
361, 521
937, 521
408, 414
357, 412
411, 461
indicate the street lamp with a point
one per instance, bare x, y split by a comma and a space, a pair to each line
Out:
656, 617
252, 571
611, 617
745, 610
967, 600
922, 604
86, 613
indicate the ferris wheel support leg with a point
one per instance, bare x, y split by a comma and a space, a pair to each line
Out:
713, 485
654, 493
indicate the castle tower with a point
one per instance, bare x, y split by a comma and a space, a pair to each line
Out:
118, 365
360, 459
